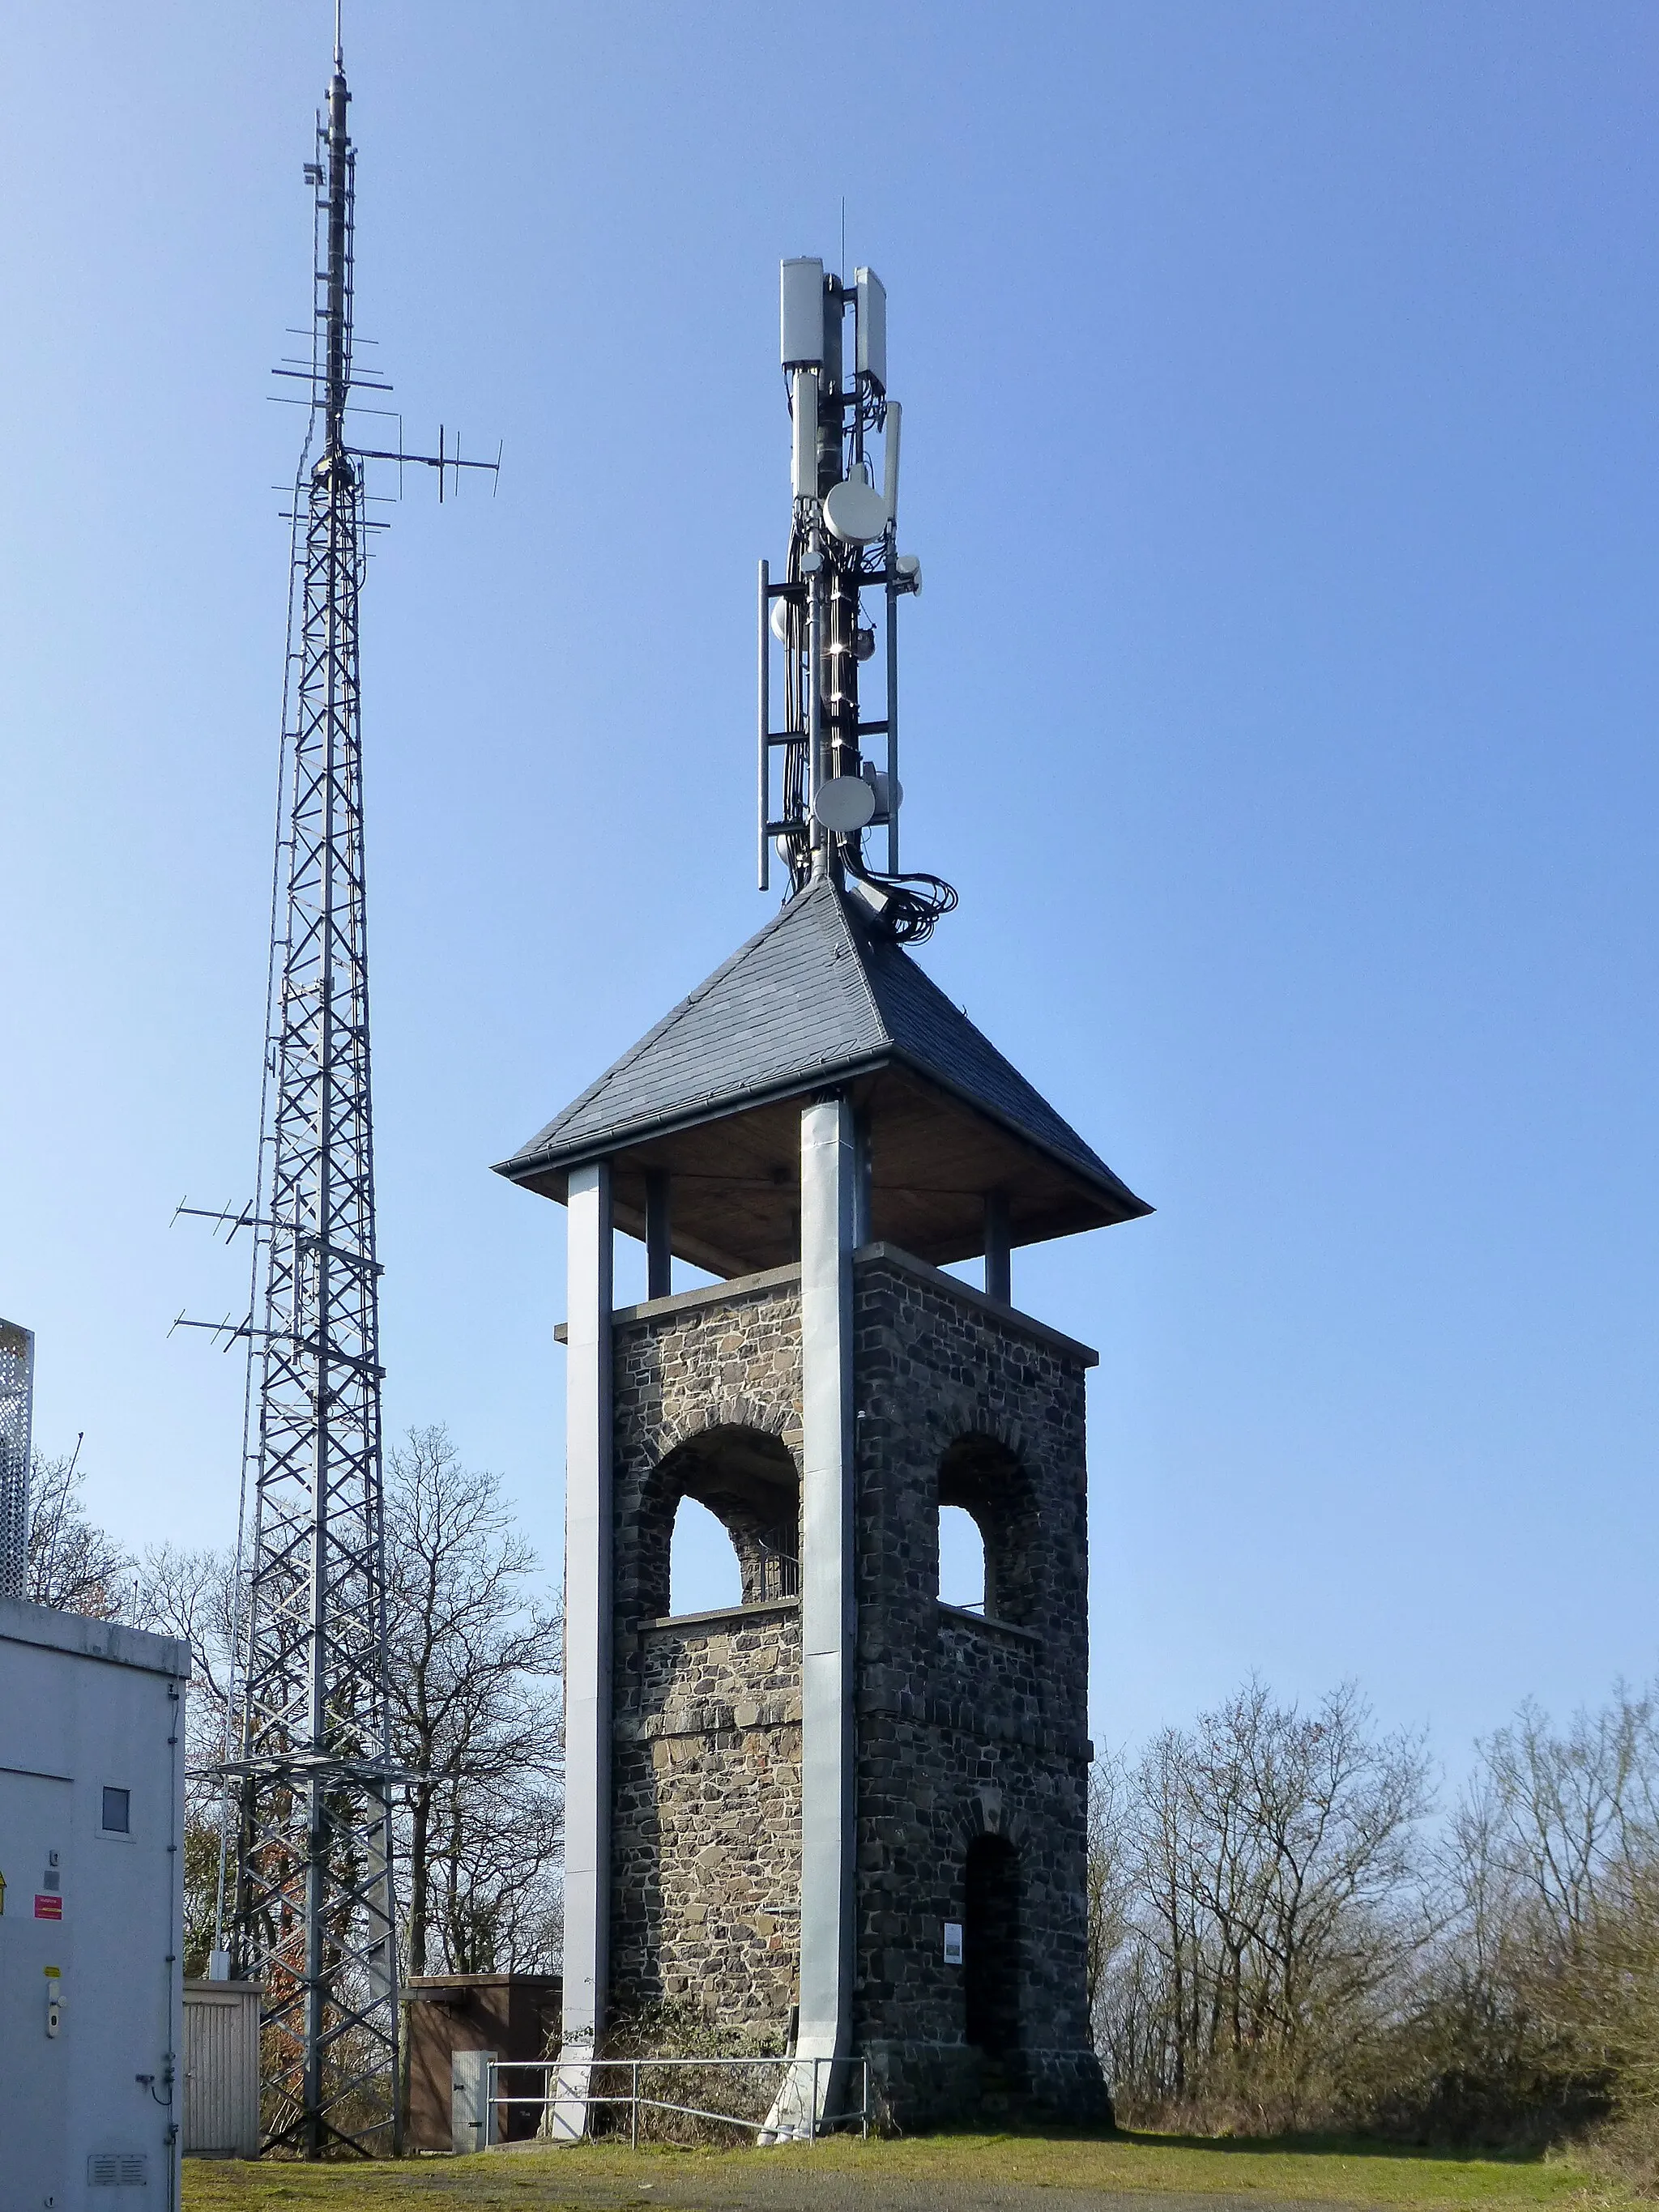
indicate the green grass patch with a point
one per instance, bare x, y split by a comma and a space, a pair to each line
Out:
962, 2168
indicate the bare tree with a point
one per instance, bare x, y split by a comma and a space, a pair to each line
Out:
1570, 1811
72, 1564
1270, 1908
476, 1722
192, 1595
1109, 1874
1535, 2012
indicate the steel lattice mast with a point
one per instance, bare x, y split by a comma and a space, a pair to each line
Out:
16, 1413
314, 1908
309, 1769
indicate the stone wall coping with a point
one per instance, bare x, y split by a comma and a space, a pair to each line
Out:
739, 1286
738, 1613
990, 1620
707, 1294
1009, 1316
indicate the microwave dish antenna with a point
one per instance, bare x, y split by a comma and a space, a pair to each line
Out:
846, 803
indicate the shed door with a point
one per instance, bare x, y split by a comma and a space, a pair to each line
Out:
221, 2075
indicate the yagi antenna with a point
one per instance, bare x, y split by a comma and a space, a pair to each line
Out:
828, 793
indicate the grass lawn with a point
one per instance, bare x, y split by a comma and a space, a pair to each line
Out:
953, 2171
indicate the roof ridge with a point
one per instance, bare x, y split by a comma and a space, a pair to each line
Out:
784, 1012
859, 938
908, 973
675, 1013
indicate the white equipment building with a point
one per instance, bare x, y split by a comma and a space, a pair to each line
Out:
92, 1815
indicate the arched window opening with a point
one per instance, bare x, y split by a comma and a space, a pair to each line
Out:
744, 1483
979, 1480
991, 1946
961, 1560
704, 1571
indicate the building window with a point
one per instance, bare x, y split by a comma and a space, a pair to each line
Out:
118, 1812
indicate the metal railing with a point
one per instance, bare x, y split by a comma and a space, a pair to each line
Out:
637, 2098
779, 1575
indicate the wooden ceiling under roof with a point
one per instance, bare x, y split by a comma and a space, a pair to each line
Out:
735, 1181
815, 1002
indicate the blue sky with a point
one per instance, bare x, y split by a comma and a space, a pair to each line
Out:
1279, 389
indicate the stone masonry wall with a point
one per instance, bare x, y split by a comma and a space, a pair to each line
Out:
706, 1754
707, 1798
966, 1726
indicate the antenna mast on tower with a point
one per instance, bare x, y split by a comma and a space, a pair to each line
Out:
311, 1911
842, 542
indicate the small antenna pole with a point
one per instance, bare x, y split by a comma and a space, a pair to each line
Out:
894, 794
764, 764
815, 776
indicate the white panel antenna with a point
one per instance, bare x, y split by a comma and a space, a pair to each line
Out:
871, 296
800, 313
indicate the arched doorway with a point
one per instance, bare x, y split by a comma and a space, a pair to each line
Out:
991, 1946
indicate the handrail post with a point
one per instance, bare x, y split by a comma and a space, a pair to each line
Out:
634, 2109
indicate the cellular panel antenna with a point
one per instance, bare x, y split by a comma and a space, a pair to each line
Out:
311, 1906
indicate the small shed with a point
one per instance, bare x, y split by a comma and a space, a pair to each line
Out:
221, 2069
92, 1813
514, 2015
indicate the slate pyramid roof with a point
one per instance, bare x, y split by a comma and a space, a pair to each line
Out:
817, 996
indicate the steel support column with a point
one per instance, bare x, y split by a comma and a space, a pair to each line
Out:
829, 1172
587, 1639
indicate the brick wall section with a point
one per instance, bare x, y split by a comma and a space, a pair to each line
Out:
965, 1726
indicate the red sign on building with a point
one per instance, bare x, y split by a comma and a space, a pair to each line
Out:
48, 1908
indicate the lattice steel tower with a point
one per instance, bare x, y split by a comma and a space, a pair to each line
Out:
16, 1413
312, 1911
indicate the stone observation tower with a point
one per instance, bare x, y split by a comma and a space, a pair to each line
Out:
840, 1808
